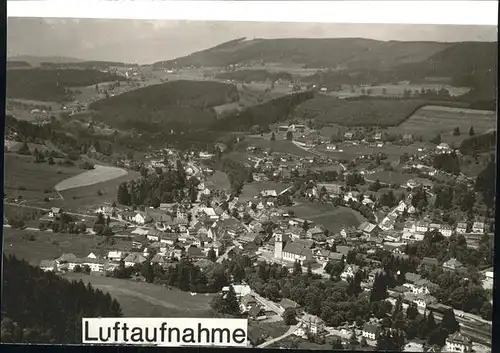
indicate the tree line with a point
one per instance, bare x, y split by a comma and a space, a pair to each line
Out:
41, 307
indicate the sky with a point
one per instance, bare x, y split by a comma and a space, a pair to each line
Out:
146, 42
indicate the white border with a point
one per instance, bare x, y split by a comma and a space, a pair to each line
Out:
406, 12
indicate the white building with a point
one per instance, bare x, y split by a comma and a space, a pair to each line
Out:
478, 227
458, 343
371, 331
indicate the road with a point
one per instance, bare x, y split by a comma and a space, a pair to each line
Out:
268, 304
290, 332
47, 210
225, 255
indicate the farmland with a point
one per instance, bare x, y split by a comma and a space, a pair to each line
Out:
439, 119
332, 218
97, 175
48, 245
139, 299
358, 112
24, 177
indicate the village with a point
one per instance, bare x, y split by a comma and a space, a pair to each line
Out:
216, 225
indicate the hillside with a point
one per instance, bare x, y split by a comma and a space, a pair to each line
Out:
172, 105
52, 85
254, 76
360, 61
40, 307
34, 60
327, 52
17, 64
264, 114
86, 65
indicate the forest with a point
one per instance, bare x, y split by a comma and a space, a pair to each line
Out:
52, 85
264, 114
174, 105
41, 307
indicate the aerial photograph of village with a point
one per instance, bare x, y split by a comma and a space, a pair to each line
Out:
335, 188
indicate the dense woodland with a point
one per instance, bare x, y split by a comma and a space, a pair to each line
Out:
479, 143
264, 114
172, 105
52, 85
40, 307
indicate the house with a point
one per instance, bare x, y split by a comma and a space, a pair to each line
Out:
247, 302
371, 331
478, 227
55, 212
160, 259
388, 222
134, 259
288, 304
408, 137
428, 262
331, 147
291, 251
94, 264
461, 228
311, 233
65, 259
349, 272
313, 324
457, 342
422, 227
323, 256
445, 230
348, 135
141, 218
422, 300
194, 253
115, 256
48, 265
409, 227
412, 277
241, 290
452, 265
256, 312
369, 228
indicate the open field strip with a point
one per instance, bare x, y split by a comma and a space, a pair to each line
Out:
98, 175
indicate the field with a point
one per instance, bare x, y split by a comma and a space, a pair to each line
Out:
332, 218
139, 299
218, 180
24, 177
95, 195
396, 89
359, 112
47, 245
390, 177
97, 175
431, 120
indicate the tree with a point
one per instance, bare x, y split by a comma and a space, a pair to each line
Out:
436, 140
337, 345
297, 268
289, 317
363, 342
353, 340
456, 131
123, 195
449, 322
471, 131
211, 255
273, 137
412, 311
289, 135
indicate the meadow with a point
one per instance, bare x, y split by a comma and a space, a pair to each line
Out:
97, 175
332, 218
33, 181
218, 180
431, 120
139, 299
48, 245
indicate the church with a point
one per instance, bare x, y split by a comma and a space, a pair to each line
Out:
287, 250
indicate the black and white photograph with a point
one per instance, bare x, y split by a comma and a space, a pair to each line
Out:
329, 185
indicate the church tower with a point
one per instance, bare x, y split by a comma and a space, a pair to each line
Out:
278, 246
